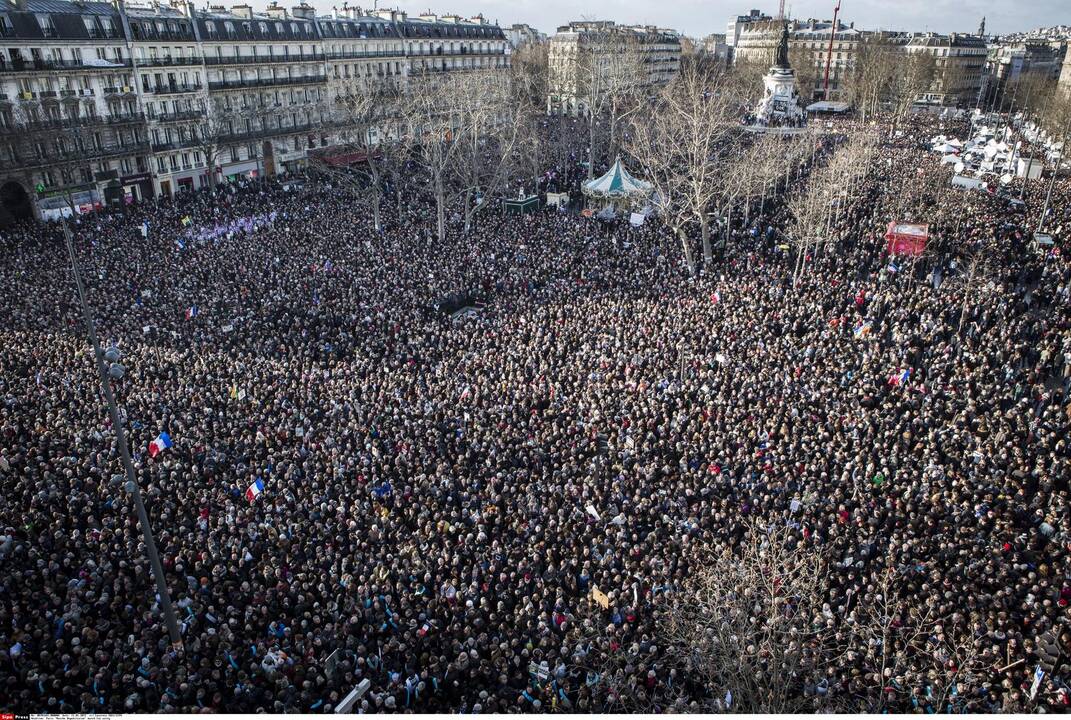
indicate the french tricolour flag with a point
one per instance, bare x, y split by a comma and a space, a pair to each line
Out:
161, 443
191, 312
255, 489
901, 378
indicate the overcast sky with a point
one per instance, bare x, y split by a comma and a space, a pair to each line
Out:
700, 17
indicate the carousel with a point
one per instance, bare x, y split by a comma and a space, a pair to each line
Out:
616, 192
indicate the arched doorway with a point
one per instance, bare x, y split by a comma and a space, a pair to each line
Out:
15, 204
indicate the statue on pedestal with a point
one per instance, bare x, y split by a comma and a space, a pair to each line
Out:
780, 105
781, 59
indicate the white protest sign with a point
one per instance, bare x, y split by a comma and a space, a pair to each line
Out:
1038, 675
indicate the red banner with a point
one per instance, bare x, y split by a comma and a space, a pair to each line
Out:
907, 239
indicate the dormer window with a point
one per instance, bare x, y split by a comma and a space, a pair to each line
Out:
48, 29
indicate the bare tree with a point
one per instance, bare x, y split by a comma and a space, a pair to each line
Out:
805, 64
604, 77
977, 275
915, 73
465, 131
364, 113
211, 132
872, 74
808, 208
677, 143
750, 625
497, 139
530, 73
886, 637
64, 139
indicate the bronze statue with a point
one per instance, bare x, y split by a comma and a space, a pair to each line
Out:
782, 49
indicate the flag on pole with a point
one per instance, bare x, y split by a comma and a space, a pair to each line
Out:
191, 312
255, 489
161, 443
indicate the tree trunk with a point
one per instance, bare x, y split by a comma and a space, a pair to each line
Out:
704, 225
377, 190
591, 144
440, 208
613, 129
687, 247
469, 211
801, 249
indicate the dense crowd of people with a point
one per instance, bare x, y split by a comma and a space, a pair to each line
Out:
449, 501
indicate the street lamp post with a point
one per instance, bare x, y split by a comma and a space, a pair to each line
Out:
108, 367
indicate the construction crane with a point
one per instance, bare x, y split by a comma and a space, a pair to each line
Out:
829, 53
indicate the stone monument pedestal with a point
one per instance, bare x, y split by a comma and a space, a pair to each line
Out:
779, 110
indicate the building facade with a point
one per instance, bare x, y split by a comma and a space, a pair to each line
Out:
716, 48
106, 102
649, 56
520, 34
960, 73
809, 43
738, 24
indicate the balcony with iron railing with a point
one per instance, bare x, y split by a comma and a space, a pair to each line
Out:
172, 145
365, 54
168, 61
32, 65
172, 89
64, 124
184, 116
138, 35
262, 60
27, 160
445, 52
267, 133
266, 82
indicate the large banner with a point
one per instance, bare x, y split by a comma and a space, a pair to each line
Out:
907, 239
